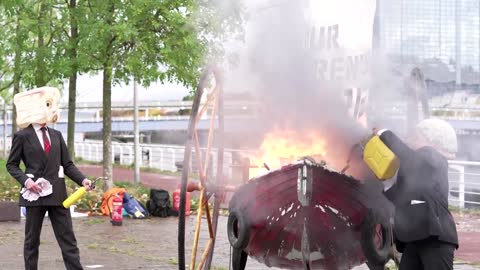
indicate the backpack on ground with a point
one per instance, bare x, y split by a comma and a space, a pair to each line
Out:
159, 203
133, 207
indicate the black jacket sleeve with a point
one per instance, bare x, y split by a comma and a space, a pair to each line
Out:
404, 154
68, 166
398, 147
13, 162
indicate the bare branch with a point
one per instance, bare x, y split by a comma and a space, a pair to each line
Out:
66, 32
8, 85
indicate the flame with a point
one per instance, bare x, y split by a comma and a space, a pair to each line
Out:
282, 147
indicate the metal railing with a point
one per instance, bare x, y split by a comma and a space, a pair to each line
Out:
464, 176
158, 156
464, 180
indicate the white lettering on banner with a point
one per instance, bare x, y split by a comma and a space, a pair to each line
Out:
324, 40
331, 63
346, 68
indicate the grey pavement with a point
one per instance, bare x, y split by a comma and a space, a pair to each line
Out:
137, 244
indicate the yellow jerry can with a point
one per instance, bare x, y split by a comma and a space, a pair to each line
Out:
381, 160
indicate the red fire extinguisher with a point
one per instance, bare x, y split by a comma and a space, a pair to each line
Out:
116, 212
176, 201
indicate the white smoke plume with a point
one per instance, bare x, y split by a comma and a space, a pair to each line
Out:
297, 60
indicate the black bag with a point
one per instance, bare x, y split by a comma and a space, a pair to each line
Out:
159, 203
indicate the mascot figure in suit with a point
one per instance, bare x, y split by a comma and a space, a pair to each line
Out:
43, 151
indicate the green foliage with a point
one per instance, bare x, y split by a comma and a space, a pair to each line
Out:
92, 201
138, 191
45, 42
9, 190
9, 187
173, 261
471, 211
145, 39
32, 30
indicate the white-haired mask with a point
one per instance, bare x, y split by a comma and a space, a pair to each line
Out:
438, 134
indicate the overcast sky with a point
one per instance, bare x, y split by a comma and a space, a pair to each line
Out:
89, 88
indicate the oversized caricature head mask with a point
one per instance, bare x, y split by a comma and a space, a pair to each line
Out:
39, 105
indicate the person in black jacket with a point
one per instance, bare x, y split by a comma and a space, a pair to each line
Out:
424, 228
44, 153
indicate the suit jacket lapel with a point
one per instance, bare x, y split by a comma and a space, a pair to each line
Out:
33, 139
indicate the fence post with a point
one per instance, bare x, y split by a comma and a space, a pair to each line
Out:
461, 184
97, 156
121, 155
113, 153
89, 152
76, 146
461, 187
173, 159
161, 159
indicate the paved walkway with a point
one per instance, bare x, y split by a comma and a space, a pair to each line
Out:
468, 226
137, 244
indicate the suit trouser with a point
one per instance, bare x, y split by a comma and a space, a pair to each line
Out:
427, 255
63, 230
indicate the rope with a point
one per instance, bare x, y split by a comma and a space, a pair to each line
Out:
395, 253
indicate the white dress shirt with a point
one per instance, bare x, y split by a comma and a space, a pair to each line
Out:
39, 132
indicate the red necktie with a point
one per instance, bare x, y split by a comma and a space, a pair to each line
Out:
46, 142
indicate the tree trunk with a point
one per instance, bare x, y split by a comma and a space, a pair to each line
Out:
107, 123
40, 78
107, 105
72, 82
16, 72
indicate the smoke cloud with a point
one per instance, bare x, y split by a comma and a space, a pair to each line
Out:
298, 60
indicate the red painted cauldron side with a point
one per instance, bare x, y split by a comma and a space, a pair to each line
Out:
277, 219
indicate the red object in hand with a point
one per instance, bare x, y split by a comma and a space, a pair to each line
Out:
116, 215
176, 201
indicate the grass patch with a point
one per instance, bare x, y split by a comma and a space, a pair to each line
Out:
9, 187
138, 191
92, 201
471, 211
173, 261
94, 221
130, 240
150, 258
79, 160
93, 246
476, 264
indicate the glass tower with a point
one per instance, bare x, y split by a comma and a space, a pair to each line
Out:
444, 34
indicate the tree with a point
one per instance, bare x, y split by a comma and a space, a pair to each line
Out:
72, 80
147, 40
30, 39
14, 47
46, 41
72, 62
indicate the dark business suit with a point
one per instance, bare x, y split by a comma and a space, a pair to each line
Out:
424, 227
26, 147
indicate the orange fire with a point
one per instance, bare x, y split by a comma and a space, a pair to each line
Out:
286, 146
